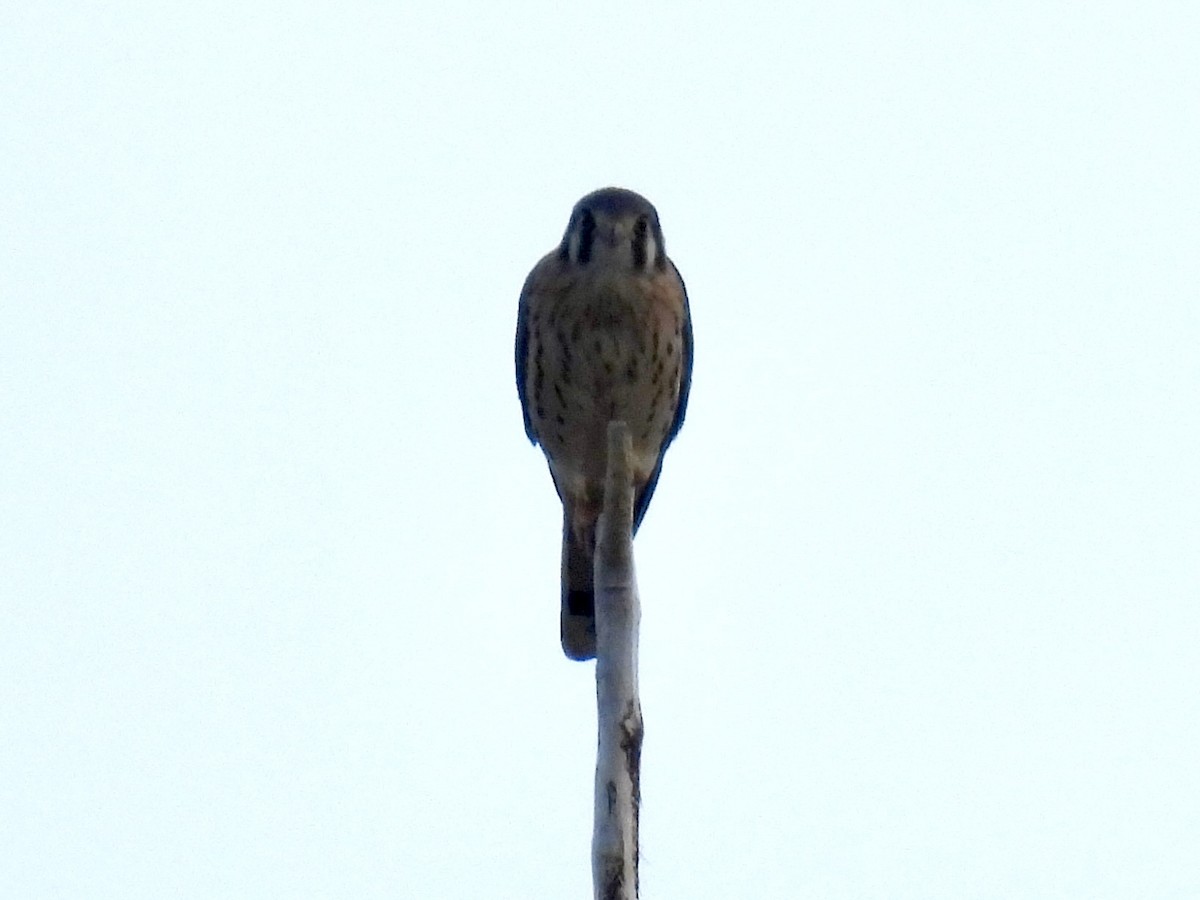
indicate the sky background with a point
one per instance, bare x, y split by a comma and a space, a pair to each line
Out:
279, 569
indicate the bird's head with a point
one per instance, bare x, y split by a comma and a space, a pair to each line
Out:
614, 228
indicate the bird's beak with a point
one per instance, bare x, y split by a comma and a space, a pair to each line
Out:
611, 234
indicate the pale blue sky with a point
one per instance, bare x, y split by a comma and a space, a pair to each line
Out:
279, 571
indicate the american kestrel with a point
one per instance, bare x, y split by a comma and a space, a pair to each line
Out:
603, 334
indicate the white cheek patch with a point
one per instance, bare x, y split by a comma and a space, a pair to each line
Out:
651, 252
573, 246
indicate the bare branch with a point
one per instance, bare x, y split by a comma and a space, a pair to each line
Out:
619, 711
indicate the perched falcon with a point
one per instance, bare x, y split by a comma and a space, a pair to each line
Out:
603, 334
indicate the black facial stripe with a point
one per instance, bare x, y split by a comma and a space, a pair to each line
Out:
587, 236
641, 230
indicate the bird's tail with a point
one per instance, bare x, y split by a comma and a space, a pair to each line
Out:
578, 595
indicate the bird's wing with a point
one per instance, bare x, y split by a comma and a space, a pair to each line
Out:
642, 501
522, 352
